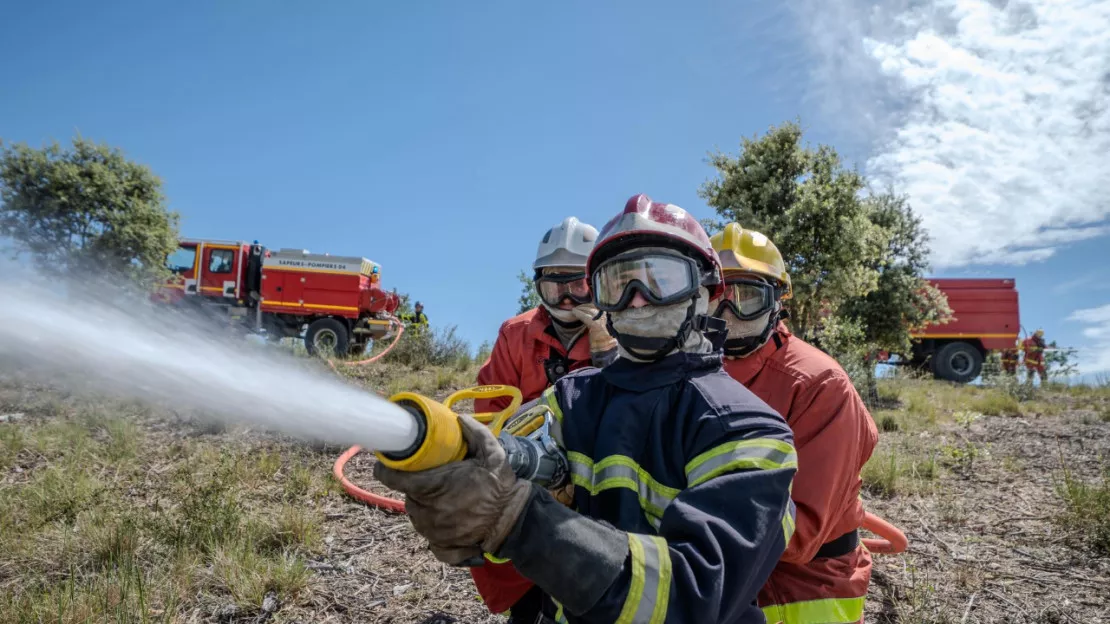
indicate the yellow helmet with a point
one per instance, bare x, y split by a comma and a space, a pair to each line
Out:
1039, 333
750, 251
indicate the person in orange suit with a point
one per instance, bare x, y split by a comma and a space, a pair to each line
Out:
824, 574
531, 352
1034, 357
1010, 360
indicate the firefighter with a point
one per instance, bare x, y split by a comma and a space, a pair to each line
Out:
1034, 357
681, 475
531, 352
1010, 360
417, 321
825, 572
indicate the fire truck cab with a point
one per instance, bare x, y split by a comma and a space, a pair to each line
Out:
335, 302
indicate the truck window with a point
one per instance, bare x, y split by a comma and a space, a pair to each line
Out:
181, 260
220, 261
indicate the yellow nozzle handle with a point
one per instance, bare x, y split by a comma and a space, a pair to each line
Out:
441, 441
494, 420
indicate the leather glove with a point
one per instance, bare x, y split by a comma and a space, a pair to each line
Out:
600, 338
466, 507
564, 495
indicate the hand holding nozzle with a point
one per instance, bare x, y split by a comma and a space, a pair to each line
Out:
464, 485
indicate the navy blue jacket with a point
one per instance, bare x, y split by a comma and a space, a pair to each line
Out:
682, 490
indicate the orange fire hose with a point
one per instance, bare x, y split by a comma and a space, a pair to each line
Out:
893, 540
383, 502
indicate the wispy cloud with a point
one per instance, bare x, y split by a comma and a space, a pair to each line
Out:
994, 116
1095, 356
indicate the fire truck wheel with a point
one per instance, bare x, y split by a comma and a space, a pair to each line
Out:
958, 361
327, 335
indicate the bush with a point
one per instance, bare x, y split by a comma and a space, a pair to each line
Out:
420, 349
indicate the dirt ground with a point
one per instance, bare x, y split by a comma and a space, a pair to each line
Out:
983, 544
977, 496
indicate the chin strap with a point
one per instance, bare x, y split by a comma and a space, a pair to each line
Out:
740, 347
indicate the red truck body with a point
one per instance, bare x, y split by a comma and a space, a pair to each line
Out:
337, 301
986, 319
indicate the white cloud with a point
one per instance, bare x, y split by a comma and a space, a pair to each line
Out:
993, 116
1095, 356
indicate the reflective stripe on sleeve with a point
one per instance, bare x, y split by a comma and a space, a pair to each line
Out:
646, 602
760, 453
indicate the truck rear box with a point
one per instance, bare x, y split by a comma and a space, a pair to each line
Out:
984, 309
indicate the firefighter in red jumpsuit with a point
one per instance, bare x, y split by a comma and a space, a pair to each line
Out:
1034, 357
531, 352
1010, 360
824, 574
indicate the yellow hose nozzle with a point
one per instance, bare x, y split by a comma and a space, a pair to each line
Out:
439, 438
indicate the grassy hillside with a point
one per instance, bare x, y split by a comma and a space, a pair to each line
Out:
117, 511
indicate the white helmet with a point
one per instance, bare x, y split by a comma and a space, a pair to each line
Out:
566, 245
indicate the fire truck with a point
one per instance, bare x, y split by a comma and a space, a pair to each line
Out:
985, 319
335, 302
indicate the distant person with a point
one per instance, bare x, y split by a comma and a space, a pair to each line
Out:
823, 576
1010, 359
1034, 357
532, 351
417, 321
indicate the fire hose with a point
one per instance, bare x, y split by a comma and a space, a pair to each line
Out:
532, 452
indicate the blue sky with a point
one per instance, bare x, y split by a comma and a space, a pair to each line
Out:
441, 139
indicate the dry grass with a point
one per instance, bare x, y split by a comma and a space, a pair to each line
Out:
116, 511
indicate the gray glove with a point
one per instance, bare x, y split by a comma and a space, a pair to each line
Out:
466, 507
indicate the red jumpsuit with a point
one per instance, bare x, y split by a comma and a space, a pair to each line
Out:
523, 344
834, 435
1034, 358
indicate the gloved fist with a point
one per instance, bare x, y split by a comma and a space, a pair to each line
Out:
564, 495
466, 507
600, 338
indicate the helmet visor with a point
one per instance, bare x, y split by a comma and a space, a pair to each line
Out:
554, 288
747, 299
661, 279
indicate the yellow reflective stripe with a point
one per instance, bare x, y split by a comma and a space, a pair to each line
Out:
490, 557
788, 524
825, 611
559, 617
619, 471
548, 397
760, 453
646, 602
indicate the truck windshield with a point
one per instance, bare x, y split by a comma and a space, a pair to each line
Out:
181, 260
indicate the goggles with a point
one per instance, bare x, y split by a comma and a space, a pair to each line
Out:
747, 299
554, 288
661, 279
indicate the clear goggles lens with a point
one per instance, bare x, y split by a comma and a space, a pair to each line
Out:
553, 289
660, 279
747, 299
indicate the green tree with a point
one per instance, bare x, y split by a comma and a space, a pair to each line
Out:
810, 206
903, 301
856, 258
529, 298
85, 210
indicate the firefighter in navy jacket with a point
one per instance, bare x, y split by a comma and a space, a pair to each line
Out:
681, 475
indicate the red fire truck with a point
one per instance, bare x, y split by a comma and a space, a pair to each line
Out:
985, 319
336, 302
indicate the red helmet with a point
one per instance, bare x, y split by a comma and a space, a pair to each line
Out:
645, 223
